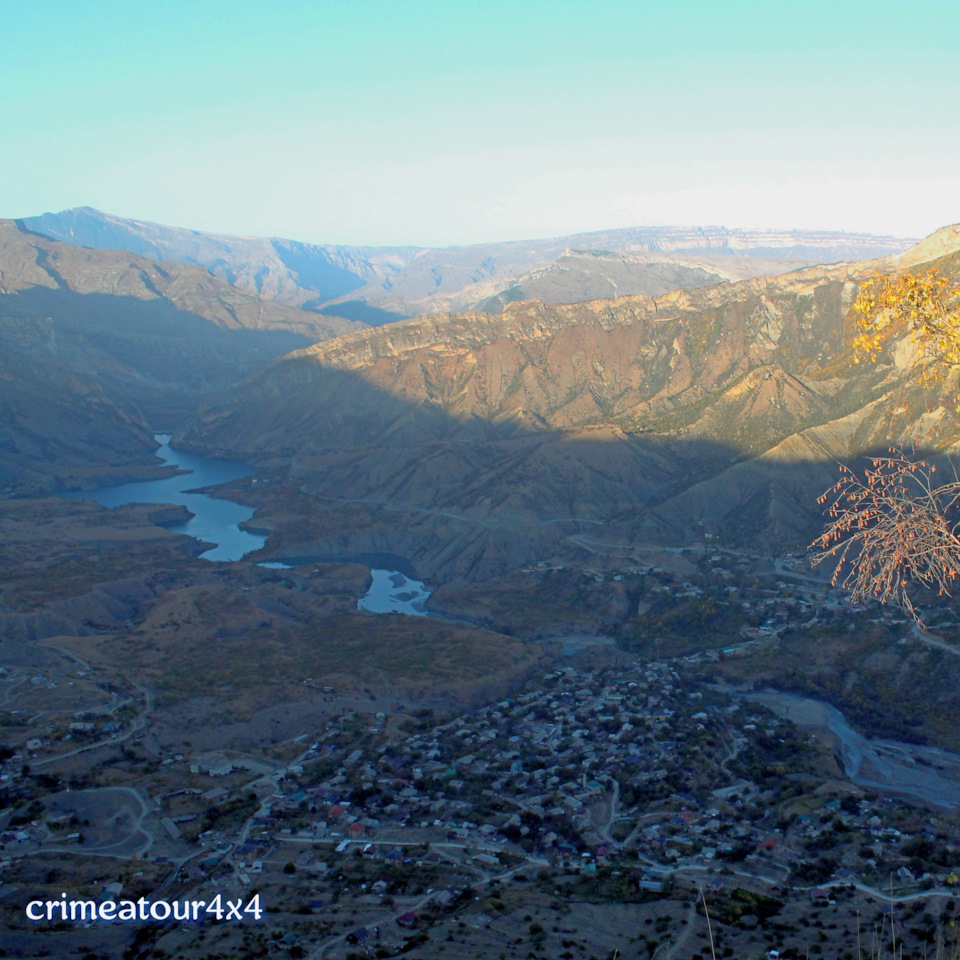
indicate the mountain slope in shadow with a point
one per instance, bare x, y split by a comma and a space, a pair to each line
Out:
110, 339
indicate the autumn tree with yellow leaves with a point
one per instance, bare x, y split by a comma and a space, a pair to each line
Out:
897, 525
927, 306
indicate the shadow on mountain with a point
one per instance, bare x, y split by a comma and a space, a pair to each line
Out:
87, 378
313, 273
473, 498
359, 311
148, 354
60, 428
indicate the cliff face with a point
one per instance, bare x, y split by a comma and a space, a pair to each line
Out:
588, 275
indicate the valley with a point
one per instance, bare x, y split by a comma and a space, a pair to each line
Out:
610, 714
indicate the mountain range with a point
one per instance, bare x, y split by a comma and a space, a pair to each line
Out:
376, 285
468, 441
101, 348
480, 440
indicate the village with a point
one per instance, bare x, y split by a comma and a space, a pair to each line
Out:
618, 783
611, 781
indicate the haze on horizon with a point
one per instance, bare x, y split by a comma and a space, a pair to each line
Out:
381, 123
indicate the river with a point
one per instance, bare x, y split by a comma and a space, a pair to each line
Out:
214, 520
885, 766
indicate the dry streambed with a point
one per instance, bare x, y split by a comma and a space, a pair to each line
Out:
887, 766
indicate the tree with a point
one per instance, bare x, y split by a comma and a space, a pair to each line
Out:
896, 526
924, 306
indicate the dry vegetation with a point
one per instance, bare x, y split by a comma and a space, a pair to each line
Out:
896, 527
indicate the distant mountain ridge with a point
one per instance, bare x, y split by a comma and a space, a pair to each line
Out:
382, 284
581, 275
283, 270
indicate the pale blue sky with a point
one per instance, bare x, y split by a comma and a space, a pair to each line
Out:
434, 123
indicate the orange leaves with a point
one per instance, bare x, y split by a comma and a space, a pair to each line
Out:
891, 529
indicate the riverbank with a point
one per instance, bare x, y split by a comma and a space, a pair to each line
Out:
889, 767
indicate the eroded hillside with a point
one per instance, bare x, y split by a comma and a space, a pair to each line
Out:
486, 438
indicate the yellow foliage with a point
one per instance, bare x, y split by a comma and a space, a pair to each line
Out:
926, 304
895, 527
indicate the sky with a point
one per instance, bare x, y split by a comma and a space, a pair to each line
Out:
435, 123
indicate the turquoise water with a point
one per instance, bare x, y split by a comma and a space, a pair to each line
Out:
392, 592
214, 520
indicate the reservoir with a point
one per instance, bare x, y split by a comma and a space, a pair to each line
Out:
214, 520
392, 592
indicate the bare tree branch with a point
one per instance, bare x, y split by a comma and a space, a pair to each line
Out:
891, 529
